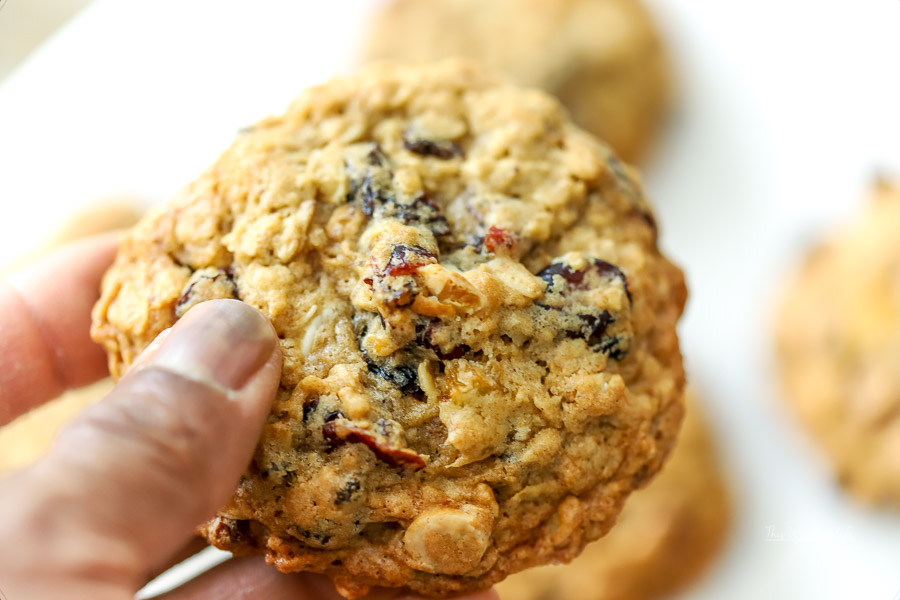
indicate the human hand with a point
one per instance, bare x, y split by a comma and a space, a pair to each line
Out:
118, 496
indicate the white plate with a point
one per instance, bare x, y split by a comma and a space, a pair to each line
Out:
788, 109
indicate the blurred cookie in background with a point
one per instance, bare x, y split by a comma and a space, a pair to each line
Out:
666, 537
29, 436
838, 345
602, 58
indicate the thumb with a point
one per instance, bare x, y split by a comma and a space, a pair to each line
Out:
166, 448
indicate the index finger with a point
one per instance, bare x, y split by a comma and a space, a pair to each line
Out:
45, 320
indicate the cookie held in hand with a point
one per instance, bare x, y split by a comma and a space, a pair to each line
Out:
478, 330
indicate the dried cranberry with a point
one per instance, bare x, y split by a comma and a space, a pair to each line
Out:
575, 277
571, 276
499, 239
406, 260
231, 531
443, 149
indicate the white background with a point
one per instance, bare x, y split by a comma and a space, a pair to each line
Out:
787, 110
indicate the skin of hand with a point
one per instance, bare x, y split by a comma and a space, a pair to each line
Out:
117, 498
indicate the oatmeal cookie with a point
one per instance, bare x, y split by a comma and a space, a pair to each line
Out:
838, 343
480, 357
668, 534
602, 58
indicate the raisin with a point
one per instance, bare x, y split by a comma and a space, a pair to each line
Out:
374, 192
442, 149
497, 239
377, 157
346, 494
341, 432
616, 347
475, 241
309, 408
371, 185
571, 276
422, 211
370, 179
593, 329
206, 284
401, 295
403, 377
575, 277
593, 332
313, 536
606, 269
328, 430
456, 352
288, 478
424, 338
406, 260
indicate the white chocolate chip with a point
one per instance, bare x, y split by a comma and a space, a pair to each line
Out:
448, 540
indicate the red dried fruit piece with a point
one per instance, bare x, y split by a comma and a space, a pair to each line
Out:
575, 277
340, 431
229, 532
498, 239
406, 260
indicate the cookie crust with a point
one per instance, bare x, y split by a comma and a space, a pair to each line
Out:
666, 537
478, 330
